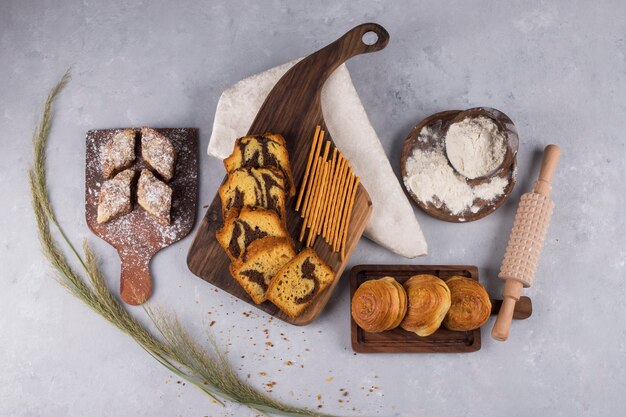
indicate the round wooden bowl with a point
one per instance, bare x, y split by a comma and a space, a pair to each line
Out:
504, 124
438, 124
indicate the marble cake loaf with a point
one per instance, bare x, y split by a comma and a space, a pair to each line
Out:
267, 150
254, 187
244, 226
259, 263
299, 282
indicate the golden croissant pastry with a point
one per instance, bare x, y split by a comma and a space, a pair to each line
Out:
470, 307
429, 301
379, 305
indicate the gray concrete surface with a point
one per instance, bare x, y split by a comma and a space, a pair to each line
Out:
557, 68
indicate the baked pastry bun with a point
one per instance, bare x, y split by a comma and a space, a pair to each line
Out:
429, 301
470, 306
379, 305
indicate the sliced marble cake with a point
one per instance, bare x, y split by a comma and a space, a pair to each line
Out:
254, 187
242, 227
267, 150
299, 282
259, 263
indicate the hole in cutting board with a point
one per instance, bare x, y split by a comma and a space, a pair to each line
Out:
370, 38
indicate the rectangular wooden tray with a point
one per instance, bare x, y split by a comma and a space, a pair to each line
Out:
399, 340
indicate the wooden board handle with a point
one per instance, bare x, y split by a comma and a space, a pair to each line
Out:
352, 43
551, 156
523, 308
135, 279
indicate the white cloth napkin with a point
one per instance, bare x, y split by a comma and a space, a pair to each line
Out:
393, 223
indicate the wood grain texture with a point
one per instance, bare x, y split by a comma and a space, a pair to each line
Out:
439, 123
293, 109
137, 236
399, 340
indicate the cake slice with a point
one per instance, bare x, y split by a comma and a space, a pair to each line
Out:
158, 152
299, 282
259, 263
154, 196
114, 200
242, 227
254, 187
267, 150
118, 153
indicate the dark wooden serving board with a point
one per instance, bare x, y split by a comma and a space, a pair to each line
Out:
293, 109
399, 340
137, 236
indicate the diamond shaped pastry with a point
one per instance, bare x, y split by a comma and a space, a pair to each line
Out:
115, 200
154, 196
158, 152
118, 153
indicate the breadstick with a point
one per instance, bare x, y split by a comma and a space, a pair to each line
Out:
332, 200
344, 209
344, 238
336, 199
312, 197
318, 172
345, 193
329, 187
312, 174
318, 204
308, 167
340, 194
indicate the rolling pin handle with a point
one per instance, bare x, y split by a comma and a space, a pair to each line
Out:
550, 159
511, 294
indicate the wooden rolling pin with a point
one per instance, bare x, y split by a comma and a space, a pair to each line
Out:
526, 241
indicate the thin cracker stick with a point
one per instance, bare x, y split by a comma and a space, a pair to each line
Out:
324, 197
329, 188
337, 207
331, 199
344, 238
336, 198
344, 210
311, 201
318, 204
312, 174
313, 198
342, 202
308, 167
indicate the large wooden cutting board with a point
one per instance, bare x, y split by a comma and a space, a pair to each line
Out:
293, 109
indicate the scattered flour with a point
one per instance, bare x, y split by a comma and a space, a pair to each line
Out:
431, 178
475, 146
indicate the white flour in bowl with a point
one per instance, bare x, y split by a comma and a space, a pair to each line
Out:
475, 146
431, 178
